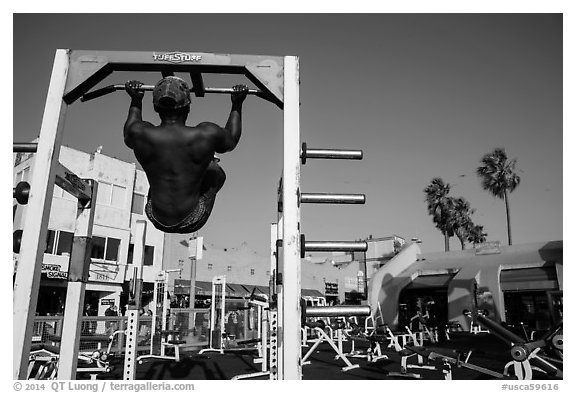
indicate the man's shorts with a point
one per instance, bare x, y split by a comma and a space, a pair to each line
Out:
192, 222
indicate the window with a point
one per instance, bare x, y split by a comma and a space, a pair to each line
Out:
130, 258
112, 249
111, 195
50, 242
64, 243
251, 272
148, 255
137, 203
105, 248
229, 268
210, 266
58, 242
267, 272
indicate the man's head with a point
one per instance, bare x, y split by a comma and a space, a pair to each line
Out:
171, 94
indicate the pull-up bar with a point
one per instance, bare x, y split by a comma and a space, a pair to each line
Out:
214, 90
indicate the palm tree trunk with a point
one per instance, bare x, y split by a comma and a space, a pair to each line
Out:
446, 242
508, 217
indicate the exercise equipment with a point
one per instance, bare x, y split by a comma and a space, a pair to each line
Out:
447, 362
263, 307
74, 74
217, 311
168, 338
44, 362
332, 311
356, 334
21, 192
525, 354
199, 93
21, 147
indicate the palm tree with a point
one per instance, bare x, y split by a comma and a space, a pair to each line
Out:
439, 206
498, 177
460, 220
477, 235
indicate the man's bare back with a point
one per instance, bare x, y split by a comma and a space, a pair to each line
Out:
179, 160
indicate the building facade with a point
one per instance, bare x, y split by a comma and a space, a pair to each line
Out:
120, 203
514, 284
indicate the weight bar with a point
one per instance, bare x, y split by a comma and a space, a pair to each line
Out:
331, 154
330, 246
333, 198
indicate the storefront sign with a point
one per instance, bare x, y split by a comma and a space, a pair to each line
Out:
488, 248
53, 271
331, 288
107, 272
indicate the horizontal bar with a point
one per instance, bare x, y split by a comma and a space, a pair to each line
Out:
109, 89
332, 198
25, 147
332, 154
499, 331
327, 246
337, 311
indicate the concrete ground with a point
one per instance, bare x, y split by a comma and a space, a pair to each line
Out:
488, 352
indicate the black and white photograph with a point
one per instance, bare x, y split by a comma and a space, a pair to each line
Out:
222, 196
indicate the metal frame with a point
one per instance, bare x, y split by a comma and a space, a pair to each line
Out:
134, 305
74, 73
217, 281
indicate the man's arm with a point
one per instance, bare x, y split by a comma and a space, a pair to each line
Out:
233, 129
134, 123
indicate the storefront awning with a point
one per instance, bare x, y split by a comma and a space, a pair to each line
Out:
237, 290
312, 292
182, 287
258, 289
543, 278
203, 288
430, 281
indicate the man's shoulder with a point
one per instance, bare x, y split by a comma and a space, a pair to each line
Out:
208, 126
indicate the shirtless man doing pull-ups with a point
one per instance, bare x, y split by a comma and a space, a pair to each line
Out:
179, 160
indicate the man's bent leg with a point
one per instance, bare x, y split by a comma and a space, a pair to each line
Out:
213, 180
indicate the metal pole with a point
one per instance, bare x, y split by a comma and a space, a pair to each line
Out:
332, 198
27, 281
78, 273
134, 303
112, 88
331, 246
290, 334
25, 147
330, 154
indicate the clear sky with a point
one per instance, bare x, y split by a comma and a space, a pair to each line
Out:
423, 95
